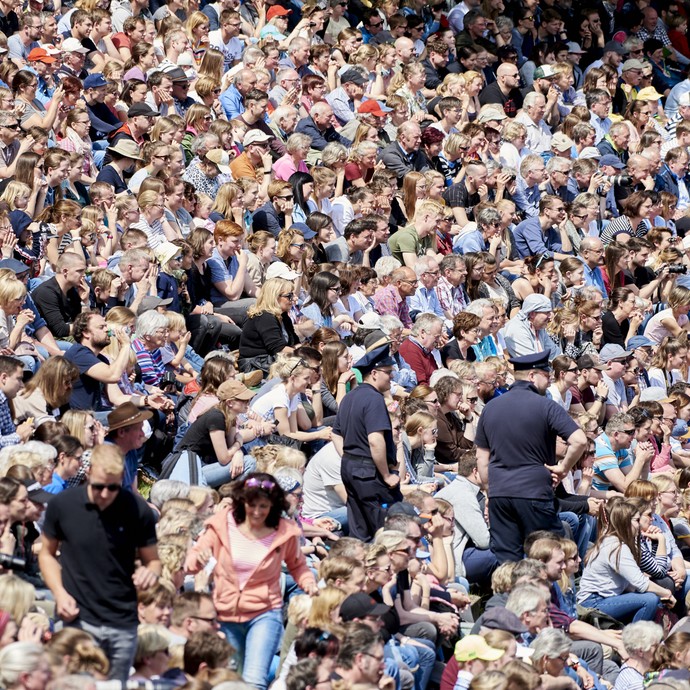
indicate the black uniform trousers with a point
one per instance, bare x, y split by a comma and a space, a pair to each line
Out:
368, 496
512, 519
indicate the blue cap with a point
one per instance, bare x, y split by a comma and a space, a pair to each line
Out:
14, 265
379, 357
680, 428
613, 161
20, 221
538, 360
95, 81
308, 233
639, 341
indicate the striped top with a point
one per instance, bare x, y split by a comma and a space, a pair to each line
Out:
247, 553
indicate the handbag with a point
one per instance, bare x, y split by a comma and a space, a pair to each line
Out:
184, 466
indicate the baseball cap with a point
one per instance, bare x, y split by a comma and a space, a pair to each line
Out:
589, 362
575, 48
306, 231
152, 302
353, 75
473, 647
255, 136
40, 55
280, 270
372, 107
142, 109
544, 72
613, 351
233, 390
649, 93
37, 494
371, 321
95, 81
561, 142
614, 47
359, 605
221, 159
487, 114
613, 161
402, 508
14, 265
277, 11
639, 341
73, 45
632, 64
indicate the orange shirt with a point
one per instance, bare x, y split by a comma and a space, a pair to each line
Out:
242, 167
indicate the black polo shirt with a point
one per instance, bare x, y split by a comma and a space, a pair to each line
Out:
519, 428
362, 412
97, 552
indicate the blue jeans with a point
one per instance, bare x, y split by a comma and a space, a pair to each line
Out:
422, 657
339, 514
119, 645
626, 608
217, 474
256, 643
479, 564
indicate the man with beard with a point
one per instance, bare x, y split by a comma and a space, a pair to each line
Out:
517, 460
90, 332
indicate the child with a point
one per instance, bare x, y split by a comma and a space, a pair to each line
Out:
178, 356
204, 204
170, 258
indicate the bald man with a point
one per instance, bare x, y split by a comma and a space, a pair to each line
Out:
403, 155
404, 47
504, 91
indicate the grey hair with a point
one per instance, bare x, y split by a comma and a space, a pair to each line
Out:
385, 266
17, 658
441, 373
207, 140
296, 43
149, 322
531, 98
550, 643
504, 23
641, 636
390, 323
425, 322
488, 215
619, 422
333, 152
298, 141
423, 264
251, 56
282, 111
165, 489
478, 306
560, 164
525, 599
285, 72
220, 353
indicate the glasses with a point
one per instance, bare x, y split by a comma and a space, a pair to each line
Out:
629, 432
112, 488
383, 569
15, 127
178, 258
208, 620
544, 257
285, 198
288, 295
302, 364
374, 656
432, 402
337, 290
472, 400
265, 484
410, 282
297, 245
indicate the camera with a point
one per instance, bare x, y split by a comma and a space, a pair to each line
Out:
620, 180
169, 383
677, 268
11, 563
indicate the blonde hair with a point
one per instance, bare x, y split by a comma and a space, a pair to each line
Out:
75, 421
109, 458
17, 597
172, 557
12, 191
268, 298
323, 605
198, 495
11, 289
150, 640
299, 608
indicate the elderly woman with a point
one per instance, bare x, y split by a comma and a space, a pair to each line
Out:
553, 659
197, 121
297, 147
150, 337
151, 658
268, 329
360, 168
23, 666
467, 333
640, 641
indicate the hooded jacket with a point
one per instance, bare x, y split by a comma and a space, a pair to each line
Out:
261, 593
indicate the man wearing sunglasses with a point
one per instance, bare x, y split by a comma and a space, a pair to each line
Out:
12, 143
99, 530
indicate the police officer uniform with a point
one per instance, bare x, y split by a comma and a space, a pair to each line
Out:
363, 411
519, 429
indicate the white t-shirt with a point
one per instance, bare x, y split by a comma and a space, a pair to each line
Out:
555, 395
321, 475
266, 405
232, 50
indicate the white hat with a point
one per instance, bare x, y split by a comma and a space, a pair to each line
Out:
371, 321
280, 270
221, 158
73, 45
590, 152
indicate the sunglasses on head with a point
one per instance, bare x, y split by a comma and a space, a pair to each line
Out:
265, 484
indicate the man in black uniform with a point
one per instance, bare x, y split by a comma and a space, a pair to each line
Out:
516, 457
362, 435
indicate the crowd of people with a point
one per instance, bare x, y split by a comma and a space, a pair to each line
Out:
344, 344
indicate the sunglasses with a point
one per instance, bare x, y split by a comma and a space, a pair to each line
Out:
544, 257
472, 400
302, 364
113, 488
288, 295
265, 484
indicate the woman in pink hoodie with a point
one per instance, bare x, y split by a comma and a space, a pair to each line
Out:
248, 542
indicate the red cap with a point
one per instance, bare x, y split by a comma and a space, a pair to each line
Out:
277, 11
372, 107
40, 55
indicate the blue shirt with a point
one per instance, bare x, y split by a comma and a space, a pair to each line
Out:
57, 484
470, 242
425, 301
222, 271
231, 100
530, 239
594, 276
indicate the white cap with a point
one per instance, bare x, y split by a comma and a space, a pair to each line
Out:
280, 270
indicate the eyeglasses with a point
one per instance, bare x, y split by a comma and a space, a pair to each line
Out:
178, 258
285, 198
15, 127
410, 282
287, 295
373, 656
112, 488
432, 402
265, 484
387, 569
208, 620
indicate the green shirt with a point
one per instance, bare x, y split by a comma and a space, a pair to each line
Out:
407, 241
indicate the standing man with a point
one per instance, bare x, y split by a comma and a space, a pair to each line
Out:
99, 532
363, 437
516, 456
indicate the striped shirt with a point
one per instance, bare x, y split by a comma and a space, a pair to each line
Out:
247, 553
150, 362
